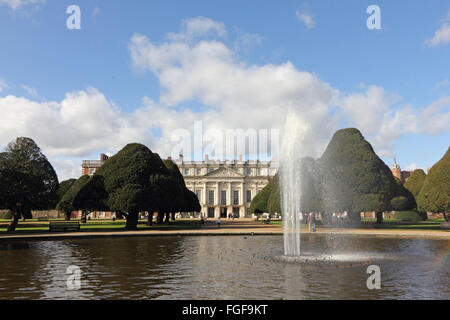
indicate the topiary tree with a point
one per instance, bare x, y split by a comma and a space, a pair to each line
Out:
259, 203
66, 204
127, 181
192, 202
92, 196
399, 203
178, 194
353, 178
27, 180
273, 201
415, 182
63, 187
435, 193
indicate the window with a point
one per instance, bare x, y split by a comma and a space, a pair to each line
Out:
198, 171
235, 196
223, 197
91, 171
186, 171
199, 195
210, 212
248, 171
211, 197
249, 195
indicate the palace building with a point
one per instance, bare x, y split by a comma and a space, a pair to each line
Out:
226, 187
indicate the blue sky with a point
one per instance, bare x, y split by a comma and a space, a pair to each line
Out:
135, 82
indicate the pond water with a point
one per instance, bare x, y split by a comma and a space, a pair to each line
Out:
224, 267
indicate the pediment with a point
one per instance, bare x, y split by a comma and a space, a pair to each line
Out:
224, 172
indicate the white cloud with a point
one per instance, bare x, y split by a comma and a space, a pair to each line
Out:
237, 95
246, 41
441, 35
30, 90
82, 123
198, 27
3, 85
17, 4
306, 18
376, 115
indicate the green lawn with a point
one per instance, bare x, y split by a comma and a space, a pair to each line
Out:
367, 223
99, 225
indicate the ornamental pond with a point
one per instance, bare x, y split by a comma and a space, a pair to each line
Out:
224, 267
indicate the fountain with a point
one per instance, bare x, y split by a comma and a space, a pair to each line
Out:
294, 142
297, 146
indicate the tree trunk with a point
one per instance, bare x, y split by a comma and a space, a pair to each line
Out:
167, 217
379, 216
67, 215
173, 216
446, 217
15, 218
84, 216
150, 218
160, 217
14, 222
132, 220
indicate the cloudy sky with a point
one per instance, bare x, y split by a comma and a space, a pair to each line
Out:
139, 71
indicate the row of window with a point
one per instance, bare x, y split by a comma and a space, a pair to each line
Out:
248, 171
223, 197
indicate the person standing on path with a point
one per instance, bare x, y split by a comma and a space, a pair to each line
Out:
218, 222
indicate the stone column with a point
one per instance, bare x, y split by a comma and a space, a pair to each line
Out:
217, 200
205, 199
242, 202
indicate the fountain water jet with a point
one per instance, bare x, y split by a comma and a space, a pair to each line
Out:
292, 150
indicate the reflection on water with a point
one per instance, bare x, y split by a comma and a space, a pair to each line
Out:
223, 267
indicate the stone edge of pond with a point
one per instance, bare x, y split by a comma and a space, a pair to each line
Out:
84, 235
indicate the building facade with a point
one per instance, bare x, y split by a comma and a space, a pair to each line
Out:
89, 167
226, 187
398, 173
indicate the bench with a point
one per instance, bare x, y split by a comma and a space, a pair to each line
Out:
64, 226
42, 218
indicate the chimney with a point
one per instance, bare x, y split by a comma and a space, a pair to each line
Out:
180, 157
103, 157
206, 158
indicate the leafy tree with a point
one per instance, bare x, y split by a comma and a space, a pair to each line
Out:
273, 201
403, 199
435, 193
192, 202
66, 204
177, 196
27, 180
64, 186
92, 196
268, 199
127, 180
415, 182
353, 177
399, 203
